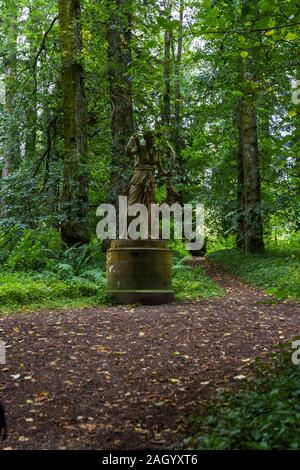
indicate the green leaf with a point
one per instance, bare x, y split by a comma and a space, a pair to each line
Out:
292, 113
291, 36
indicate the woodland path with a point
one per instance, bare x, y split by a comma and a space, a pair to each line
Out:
127, 378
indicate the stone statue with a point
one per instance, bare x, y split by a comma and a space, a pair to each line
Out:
140, 271
141, 188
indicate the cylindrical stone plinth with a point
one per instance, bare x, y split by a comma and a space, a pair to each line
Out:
140, 271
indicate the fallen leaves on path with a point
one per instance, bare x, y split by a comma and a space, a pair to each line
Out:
127, 377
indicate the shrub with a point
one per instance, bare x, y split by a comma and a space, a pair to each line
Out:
35, 250
84, 257
8, 240
215, 244
264, 414
178, 249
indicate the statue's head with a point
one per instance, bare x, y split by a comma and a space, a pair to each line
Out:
149, 138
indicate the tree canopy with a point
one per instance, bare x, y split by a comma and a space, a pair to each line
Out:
216, 80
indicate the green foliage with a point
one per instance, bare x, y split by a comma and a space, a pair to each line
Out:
47, 291
38, 272
263, 415
283, 240
191, 283
41, 250
278, 271
212, 98
220, 243
217, 39
8, 241
84, 257
214, 47
35, 250
179, 250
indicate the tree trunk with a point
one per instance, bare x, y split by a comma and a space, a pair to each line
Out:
31, 124
166, 113
11, 155
76, 177
253, 227
177, 110
250, 225
119, 60
240, 231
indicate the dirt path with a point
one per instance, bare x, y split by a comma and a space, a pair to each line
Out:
126, 378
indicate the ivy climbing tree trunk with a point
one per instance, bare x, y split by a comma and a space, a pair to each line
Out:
74, 202
119, 64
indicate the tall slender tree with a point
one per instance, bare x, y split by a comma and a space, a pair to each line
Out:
250, 172
119, 64
250, 225
240, 233
74, 203
177, 91
11, 152
167, 64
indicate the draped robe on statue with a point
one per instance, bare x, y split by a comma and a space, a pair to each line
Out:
141, 188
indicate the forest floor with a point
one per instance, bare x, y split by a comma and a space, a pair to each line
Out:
128, 377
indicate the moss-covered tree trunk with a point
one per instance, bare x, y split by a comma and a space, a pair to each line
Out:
119, 64
74, 203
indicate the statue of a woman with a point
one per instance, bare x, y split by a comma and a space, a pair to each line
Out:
141, 188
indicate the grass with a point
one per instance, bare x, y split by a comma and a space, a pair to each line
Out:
192, 283
31, 291
277, 272
264, 414
27, 292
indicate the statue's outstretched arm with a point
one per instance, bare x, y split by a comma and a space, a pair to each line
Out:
133, 145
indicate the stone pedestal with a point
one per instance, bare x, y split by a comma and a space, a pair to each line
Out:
140, 271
